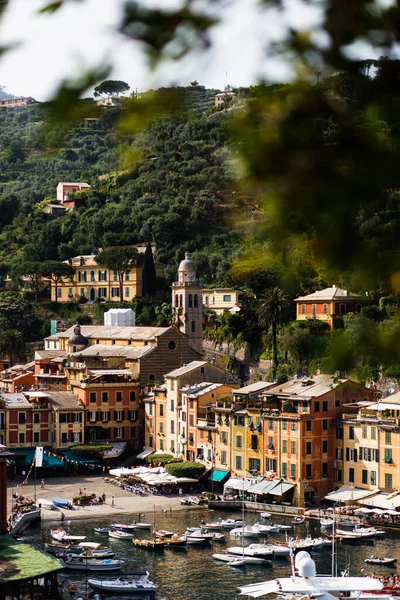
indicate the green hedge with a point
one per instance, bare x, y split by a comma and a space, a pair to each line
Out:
90, 448
162, 458
193, 470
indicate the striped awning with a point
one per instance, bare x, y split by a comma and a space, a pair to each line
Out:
264, 486
281, 488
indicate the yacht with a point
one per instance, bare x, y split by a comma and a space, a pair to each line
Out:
306, 583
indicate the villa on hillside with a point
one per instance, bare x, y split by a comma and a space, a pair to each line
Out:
325, 305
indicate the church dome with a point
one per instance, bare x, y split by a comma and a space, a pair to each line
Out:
187, 264
78, 339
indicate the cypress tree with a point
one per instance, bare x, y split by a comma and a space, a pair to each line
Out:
149, 278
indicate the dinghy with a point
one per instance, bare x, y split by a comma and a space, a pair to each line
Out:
376, 560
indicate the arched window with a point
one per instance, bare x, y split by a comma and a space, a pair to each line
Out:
193, 328
358, 308
91, 275
180, 300
190, 301
196, 301
314, 311
176, 300
342, 309
303, 309
325, 309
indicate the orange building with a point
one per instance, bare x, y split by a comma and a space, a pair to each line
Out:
326, 305
111, 399
299, 419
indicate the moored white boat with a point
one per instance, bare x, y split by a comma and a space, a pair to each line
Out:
121, 535
231, 523
198, 537
383, 561
261, 550
299, 520
308, 584
62, 536
249, 560
78, 563
124, 527
247, 531
265, 529
265, 515
137, 583
326, 522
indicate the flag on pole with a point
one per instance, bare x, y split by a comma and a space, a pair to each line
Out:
39, 456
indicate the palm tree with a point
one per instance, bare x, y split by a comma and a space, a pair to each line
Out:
12, 344
269, 313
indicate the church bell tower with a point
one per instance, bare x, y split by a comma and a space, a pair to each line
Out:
187, 302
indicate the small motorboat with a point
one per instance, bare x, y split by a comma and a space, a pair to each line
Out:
231, 523
87, 554
198, 537
299, 520
164, 533
261, 550
326, 522
265, 515
265, 529
237, 562
213, 526
124, 527
61, 503
102, 529
62, 536
120, 535
250, 560
377, 560
218, 536
155, 545
136, 582
247, 531
78, 563
140, 525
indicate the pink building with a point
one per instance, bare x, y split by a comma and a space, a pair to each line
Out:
66, 188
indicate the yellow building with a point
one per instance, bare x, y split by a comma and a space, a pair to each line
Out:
368, 453
95, 282
220, 299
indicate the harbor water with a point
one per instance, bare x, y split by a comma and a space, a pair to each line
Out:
193, 573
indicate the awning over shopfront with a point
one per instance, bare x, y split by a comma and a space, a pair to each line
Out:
349, 494
49, 459
238, 484
218, 475
281, 488
264, 486
146, 452
386, 501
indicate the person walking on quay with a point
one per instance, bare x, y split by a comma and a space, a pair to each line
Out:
42, 484
112, 501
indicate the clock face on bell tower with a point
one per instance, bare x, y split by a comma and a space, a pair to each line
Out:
191, 276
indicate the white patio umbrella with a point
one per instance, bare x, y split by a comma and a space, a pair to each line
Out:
390, 511
378, 511
363, 511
